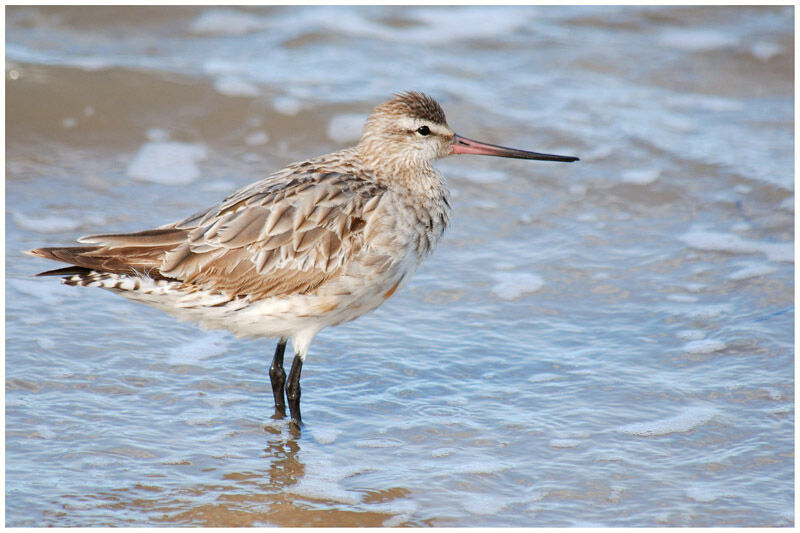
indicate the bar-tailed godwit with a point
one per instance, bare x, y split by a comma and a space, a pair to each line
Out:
316, 244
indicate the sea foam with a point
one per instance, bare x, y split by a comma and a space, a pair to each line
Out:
729, 242
688, 419
512, 285
346, 127
169, 162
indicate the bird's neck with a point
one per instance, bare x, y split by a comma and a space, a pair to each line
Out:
397, 170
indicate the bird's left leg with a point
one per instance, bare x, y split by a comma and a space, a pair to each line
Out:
293, 389
277, 377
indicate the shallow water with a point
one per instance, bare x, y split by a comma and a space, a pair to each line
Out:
603, 343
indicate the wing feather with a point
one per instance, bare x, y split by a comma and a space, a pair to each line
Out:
280, 240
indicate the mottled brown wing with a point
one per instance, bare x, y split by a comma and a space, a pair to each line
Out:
278, 239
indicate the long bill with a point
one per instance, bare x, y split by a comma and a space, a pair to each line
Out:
462, 145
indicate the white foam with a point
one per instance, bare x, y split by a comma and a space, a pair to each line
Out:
683, 298
486, 504
598, 152
235, 86
695, 39
91, 63
45, 432
731, 243
396, 521
287, 105
512, 285
681, 124
719, 104
641, 176
169, 163
691, 335
225, 22
704, 346
434, 25
470, 22
346, 127
46, 343
752, 271
765, 50
323, 489
695, 287
321, 482
200, 421
688, 419
47, 224
326, 436
401, 509
741, 227
224, 400
706, 492
256, 138
706, 311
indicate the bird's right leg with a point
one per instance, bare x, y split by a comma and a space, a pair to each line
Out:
278, 378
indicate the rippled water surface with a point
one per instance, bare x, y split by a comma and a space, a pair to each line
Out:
603, 343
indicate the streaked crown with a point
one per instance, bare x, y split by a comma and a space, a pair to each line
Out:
413, 104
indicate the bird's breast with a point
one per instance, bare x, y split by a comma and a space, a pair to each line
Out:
408, 224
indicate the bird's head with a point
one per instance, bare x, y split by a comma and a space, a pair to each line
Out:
411, 130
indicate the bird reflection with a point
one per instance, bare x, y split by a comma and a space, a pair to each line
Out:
284, 469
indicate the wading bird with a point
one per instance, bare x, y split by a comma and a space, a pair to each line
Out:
316, 244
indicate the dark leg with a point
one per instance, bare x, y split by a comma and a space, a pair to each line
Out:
293, 390
278, 377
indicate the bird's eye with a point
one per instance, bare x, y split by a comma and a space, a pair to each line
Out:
424, 130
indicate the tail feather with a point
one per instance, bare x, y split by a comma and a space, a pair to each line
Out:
66, 271
139, 253
157, 238
68, 254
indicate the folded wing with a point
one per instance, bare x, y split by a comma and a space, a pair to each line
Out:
285, 236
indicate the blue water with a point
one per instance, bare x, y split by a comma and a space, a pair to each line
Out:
603, 343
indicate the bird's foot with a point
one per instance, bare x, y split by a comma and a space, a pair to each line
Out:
280, 413
294, 410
